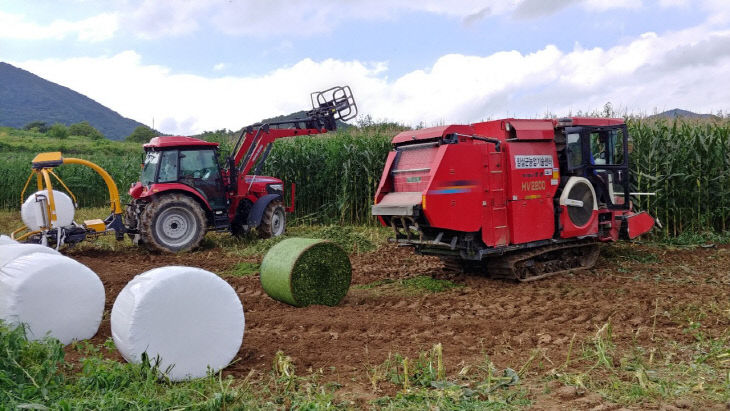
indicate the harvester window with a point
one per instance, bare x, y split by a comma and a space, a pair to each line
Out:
617, 146
150, 168
168, 167
607, 147
575, 151
598, 148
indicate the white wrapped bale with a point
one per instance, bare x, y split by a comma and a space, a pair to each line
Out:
33, 213
4, 240
53, 295
9, 252
188, 317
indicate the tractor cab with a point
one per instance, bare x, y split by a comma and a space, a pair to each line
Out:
188, 163
597, 150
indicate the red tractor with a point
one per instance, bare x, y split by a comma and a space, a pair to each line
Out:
519, 199
183, 192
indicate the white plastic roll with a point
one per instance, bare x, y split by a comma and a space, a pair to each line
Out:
9, 252
33, 211
53, 295
6, 240
188, 317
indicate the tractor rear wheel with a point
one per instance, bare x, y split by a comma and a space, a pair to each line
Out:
273, 222
172, 223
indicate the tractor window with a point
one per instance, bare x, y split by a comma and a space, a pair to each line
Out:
168, 167
198, 164
575, 152
150, 167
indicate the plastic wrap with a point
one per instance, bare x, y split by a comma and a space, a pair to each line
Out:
4, 240
53, 295
189, 318
33, 212
9, 252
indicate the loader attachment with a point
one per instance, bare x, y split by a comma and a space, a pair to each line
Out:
337, 102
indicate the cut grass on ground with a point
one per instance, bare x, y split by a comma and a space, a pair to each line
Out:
411, 286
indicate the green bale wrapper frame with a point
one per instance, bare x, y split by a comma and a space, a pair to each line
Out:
306, 271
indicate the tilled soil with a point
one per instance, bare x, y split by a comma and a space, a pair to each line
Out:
642, 298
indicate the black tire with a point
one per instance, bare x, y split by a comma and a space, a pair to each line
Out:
172, 223
239, 225
273, 222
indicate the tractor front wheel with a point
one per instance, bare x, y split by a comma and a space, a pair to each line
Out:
273, 222
172, 223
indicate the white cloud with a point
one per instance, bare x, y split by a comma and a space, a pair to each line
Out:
680, 69
220, 66
302, 17
674, 3
603, 5
96, 28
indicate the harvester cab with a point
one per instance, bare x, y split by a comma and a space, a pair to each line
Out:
183, 192
521, 199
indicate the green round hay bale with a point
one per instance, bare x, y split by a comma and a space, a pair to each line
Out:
306, 271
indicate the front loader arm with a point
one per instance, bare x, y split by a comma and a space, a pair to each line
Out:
328, 107
255, 143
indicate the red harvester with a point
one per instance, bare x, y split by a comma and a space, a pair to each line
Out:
521, 199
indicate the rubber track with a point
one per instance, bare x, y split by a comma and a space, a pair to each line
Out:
525, 266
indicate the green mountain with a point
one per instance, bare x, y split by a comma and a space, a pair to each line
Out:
25, 97
678, 112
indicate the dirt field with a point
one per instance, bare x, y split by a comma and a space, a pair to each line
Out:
650, 295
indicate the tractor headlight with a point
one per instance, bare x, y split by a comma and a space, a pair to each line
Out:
275, 188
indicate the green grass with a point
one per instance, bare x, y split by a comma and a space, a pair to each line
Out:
36, 375
660, 372
627, 252
411, 286
245, 269
423, 383
353, 239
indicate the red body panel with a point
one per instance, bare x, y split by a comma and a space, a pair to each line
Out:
429, 133
251, 188
532, 129
639, 224
531, 220
570, 230
595, 121
453, 196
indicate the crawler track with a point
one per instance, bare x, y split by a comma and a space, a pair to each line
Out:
543, 262
531, 265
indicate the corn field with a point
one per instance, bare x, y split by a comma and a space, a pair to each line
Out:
88, 187
336, 176
686, 163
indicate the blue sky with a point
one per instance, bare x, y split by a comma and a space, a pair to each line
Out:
202, 65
